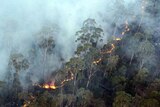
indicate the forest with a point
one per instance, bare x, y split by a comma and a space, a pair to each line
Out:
122, 71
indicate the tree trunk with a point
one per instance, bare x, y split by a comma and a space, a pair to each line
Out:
75, 84
88, 81
61, 102
131, 58
141, 64
44, 63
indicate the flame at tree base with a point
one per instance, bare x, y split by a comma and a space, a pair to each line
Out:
50, 86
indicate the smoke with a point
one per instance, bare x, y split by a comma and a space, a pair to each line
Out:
21, 19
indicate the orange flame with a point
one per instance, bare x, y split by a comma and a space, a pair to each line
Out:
97, 61
46, 86
110, 51
25, 105
53, 86
50, 86
126, 28
118, 39
68, 79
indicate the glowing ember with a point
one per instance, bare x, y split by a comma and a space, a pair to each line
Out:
97, 61
49, 86
53, 87
110, 51
123, 33
69, 79
25, 105
117, 39
126, 28
46, 86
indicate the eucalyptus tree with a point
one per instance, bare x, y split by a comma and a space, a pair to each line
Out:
46, 46
141, 81
146, 53
151, 102
84, 97
87, 40
122, 99
112, 62
88, 37
19, 63
75, 66
131, 45
92, 61
141, 76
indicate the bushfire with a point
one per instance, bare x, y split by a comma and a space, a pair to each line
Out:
53, 86
109, 51
117, 39
106, 52
97, 61
50, 86
126, 28
68, 79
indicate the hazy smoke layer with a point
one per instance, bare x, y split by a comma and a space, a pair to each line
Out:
20, 20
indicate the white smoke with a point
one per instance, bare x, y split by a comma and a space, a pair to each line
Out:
21, 19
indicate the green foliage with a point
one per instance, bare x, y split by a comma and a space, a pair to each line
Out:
19, 62
98, 103
146, 52
112, 62
75, 64
155, 85
84, 48
141, 75
84, 97
88, 36
116, 80
47, 43
146, 48
122, 70
154, 94
86, 83
149, 103
122, 99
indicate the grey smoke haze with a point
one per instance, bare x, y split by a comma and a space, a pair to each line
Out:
21, 19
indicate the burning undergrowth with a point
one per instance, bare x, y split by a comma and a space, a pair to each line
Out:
120, 71
53, 84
